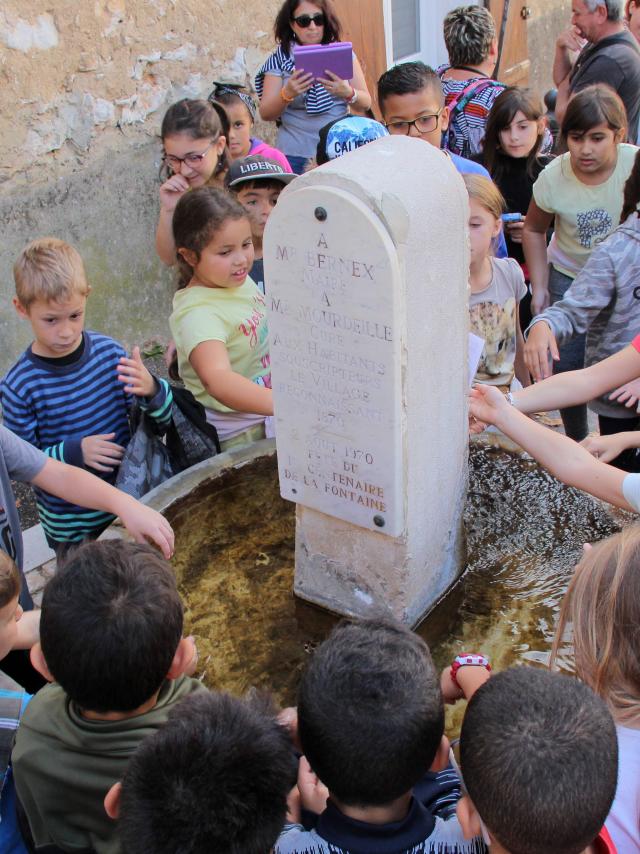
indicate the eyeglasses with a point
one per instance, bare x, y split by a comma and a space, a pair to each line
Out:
190, 159
423, 124
305, 21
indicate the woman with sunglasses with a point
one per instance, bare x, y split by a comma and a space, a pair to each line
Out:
300, 105
195, 154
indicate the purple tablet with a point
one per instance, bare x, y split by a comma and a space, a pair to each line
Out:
317, 59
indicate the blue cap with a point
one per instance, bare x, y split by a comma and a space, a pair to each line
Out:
346, 134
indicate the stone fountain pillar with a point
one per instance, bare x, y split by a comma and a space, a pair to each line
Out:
366, 263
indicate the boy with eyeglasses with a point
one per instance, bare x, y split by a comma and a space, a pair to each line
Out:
411, 100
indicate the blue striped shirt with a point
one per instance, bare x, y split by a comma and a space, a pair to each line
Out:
54, 407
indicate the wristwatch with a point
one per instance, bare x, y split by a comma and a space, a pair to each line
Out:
468, 659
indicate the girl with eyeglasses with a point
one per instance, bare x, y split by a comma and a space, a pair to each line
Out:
300, 105
194, 138
241, 112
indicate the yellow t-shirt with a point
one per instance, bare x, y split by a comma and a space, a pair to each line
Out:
584, 215
235, 316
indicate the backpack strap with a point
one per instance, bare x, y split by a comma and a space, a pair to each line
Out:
460, 101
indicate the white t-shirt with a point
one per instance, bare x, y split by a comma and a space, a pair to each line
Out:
623, 822
631, 490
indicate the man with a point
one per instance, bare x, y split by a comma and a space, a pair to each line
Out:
607, 54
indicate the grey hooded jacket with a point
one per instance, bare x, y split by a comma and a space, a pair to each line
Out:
604, 302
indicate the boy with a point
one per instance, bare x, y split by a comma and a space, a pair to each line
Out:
539, 759
70, 391
257, 182
371, 724
215, 778
411, 101
17, 631
111, 638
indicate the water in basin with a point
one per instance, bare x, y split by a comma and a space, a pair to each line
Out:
234, 561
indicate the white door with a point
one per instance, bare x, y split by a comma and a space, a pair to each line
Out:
413, 30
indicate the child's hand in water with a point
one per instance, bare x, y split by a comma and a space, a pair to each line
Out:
486, 405
134, 374
172, 191
100, 452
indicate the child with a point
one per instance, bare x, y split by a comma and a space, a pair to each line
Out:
600, 301
194, 138
241, 113
513, 141
601, 606
538, 757
18, 630
470, 39
214, 778
347, 134
219, 317
411, 101
111, 640
497, 286
70, 391
371, 724
564, 458
256, 182
581, 192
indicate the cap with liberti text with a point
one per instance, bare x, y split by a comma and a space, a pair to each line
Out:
255, 168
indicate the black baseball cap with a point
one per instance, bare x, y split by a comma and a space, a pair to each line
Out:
255, 168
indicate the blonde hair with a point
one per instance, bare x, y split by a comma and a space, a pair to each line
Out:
485, 192
50, 270
602, 604
9, 580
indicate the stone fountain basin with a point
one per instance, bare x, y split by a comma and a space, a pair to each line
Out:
234, 563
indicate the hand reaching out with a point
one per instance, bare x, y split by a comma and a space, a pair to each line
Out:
607, 448
539, 346
100, 452
629, 394
486, 403
133, 373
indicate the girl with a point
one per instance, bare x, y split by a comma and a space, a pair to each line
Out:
300, 104
583, 191
568, 461
512, 154
497, 286
602, 605
601, 299
219, 316
194, 137
241, 113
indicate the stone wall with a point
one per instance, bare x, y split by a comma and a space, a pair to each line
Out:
84, 87
549, 18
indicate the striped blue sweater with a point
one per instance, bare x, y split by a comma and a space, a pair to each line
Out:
55, 406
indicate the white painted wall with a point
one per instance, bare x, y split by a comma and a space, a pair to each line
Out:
432, 13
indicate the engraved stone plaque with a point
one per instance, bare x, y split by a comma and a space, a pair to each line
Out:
335, 324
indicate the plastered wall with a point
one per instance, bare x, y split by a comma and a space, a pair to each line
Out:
83, 88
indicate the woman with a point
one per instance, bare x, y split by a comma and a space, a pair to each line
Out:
298, 103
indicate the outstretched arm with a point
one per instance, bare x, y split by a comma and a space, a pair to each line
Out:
574, 387
564, 458
80, 487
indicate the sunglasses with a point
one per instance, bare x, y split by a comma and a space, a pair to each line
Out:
305, 21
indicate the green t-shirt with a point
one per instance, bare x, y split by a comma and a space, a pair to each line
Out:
64, 765
235, 316
584, 215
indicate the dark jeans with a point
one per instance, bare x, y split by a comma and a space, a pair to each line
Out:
628, 460
574, 418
